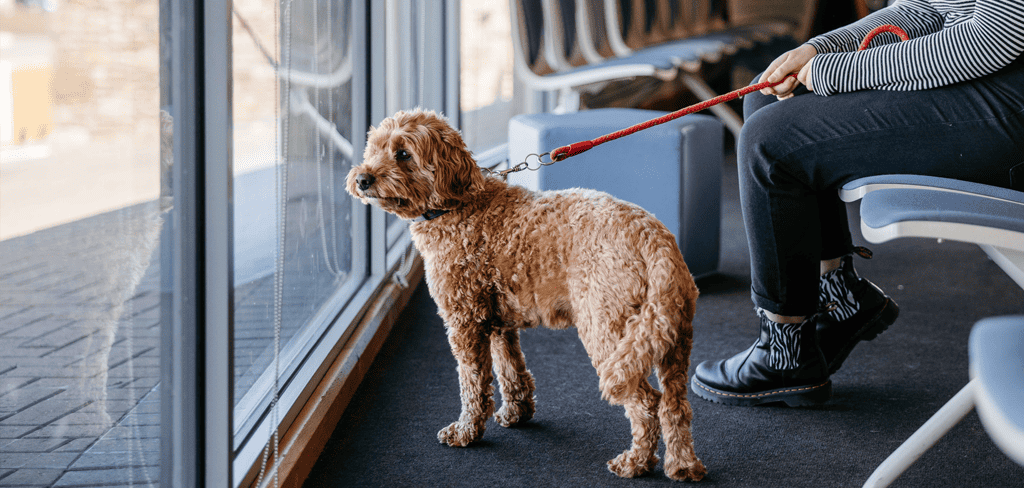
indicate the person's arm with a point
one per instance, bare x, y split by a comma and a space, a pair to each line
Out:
916, 17
979, 45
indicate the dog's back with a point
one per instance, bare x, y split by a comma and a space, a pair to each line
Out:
572, 257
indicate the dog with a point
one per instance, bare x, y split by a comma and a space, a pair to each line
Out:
499, 258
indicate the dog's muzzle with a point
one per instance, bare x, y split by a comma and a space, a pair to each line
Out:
364, 181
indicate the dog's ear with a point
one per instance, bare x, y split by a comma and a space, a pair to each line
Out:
456, 175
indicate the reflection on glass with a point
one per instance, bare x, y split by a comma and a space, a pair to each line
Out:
80, 224
292, 221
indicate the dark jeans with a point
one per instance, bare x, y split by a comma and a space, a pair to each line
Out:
794, 155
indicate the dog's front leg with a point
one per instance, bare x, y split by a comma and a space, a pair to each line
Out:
471, 347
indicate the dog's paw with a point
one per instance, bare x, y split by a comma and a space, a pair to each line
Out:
682, 472
514, 413
630, 464
460, 434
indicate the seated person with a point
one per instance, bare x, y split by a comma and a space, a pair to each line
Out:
948, 103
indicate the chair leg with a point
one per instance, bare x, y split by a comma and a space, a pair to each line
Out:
924, 438
568, 101
1010, 260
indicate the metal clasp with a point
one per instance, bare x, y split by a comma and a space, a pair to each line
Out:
525, 164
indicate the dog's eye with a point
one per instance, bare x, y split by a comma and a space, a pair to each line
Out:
403, 155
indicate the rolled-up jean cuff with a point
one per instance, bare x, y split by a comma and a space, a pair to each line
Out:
788, 310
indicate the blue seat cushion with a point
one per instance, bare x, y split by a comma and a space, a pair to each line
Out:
884, 207
672, 170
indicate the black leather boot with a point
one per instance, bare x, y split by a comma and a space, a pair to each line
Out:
784, 365
852, 310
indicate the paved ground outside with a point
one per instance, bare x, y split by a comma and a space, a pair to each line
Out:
80, 335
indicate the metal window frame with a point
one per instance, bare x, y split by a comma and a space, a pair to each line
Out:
196, 361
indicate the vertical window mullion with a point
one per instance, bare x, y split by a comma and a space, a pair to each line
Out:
196, 405
410, 29
181, 421
219, 272
433, 61
452, 61
380, 17
362, 108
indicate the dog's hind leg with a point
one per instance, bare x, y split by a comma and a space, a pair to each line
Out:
681, 461
470, 347
642, 412
514, 380
600, 331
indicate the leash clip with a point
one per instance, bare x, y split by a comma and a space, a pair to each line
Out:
525, 164
540, 162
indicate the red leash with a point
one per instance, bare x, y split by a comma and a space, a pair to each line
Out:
578, 147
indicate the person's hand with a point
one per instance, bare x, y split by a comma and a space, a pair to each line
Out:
795, 61
804, 76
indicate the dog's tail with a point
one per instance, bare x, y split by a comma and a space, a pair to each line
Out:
665, 319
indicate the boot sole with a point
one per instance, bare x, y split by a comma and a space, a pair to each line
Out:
798, 396
886, 317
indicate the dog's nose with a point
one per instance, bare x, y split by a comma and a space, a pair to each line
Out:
365, 180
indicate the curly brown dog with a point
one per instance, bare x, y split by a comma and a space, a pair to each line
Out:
500, 258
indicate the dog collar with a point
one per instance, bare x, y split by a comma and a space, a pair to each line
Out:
430, 215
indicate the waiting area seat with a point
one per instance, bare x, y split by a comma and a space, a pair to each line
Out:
894, 206
540, 60
691, 35
574, 46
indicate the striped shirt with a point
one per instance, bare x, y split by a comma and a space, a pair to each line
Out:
950, 41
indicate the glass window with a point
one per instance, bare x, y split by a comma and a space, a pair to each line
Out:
414, 75
298, 254
80, 229
488, 95
94, 235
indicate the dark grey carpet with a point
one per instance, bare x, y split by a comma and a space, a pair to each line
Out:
885, 391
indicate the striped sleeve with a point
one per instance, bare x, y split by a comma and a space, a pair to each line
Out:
916, 17
972, 44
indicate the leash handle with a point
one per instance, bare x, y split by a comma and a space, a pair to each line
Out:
880, 29
573, 149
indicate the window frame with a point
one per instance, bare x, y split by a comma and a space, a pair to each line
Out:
200, 438
196, 374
